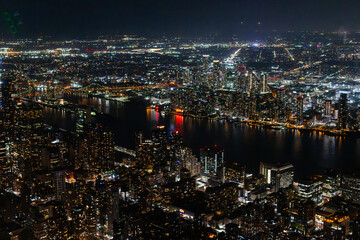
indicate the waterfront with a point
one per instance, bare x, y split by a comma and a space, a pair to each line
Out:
309, 152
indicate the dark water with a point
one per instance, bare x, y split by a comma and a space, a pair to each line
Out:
310, 153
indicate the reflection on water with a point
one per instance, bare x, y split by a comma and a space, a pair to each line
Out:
310, 153
179, 123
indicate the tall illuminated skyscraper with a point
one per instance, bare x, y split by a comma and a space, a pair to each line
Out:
299, 110
281, 104
97, 149
83, 117
211, 159
3, 158
264, 84
2, 148
328, 107
59, 183
278, 175
190, 161
6, 122
343, 111
7, 105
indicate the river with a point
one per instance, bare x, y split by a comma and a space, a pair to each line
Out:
310, 153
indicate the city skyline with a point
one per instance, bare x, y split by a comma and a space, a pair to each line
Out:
127, 120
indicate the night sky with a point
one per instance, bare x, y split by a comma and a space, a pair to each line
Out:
72, 18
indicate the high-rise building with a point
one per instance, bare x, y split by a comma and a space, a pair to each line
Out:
7, 110
175, 143
80, 113
343, 111
3, 160
253, 103
216, 65
160, 136
280, 115
264, 84
50, 158
278, 175
307, 214
97, 149
160, 146
336, 111
190, 162
2, 150
327, 107
250, 87
7, 105
310, 188
59, 183
224, 196
211, 159
299, 110
350, 187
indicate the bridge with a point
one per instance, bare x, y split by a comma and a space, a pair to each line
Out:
125, 150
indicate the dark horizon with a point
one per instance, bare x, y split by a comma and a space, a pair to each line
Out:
71, 19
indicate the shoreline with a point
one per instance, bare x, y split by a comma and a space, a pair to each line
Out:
261, 124
274, 126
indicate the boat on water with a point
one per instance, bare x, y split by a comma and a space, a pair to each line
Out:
273, 126
277, 127
121, 99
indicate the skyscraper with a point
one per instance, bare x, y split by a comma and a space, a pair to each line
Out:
328, 107
83, 117
343, 111
59, 183
97, 149
211, 159
3, 159
6, 121
7, 105
299, 110
160, 143
279, 175
2, 149
350, 187
264, 84
190, 161
281, 104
